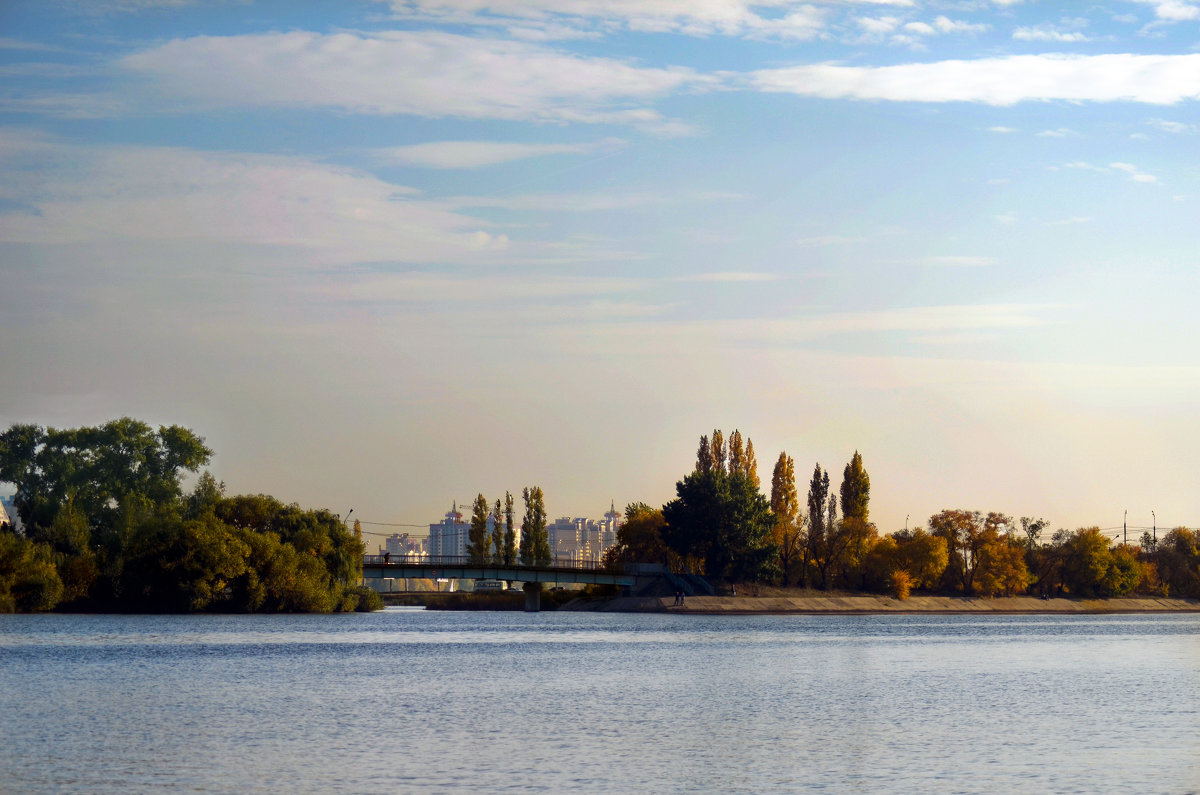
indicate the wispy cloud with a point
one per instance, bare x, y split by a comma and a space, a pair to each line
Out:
431, 74
959, 261
1049, 34
730, 277
784, 19
1135, 174
474, 154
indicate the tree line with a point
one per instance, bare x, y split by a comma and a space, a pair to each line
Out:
721, 525
107, 526
499, 545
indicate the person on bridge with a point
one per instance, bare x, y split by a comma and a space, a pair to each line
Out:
387, 557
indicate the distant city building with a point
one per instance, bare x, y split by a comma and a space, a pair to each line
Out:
573, 540
404, 545
449, 536
581, 540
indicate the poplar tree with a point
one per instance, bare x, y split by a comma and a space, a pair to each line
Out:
477, 536
737, 454
535, 543
751, 464
856, 490
718, 451
496, 543
785, 505
704, 461
510, 531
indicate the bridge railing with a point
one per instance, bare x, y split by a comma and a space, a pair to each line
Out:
446, 561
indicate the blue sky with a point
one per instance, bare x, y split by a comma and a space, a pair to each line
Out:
388, 255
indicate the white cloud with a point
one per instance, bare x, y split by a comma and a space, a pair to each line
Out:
921, 28
428, 74
1003, 130
1073, 220
1175, 127
584, 202
1048, 34
947, 25
1158, 79
877, 25
1061, 132
1135, 174
1006, 218
473, 154
1173, 10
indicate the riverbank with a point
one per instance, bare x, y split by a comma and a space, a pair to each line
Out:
866, 604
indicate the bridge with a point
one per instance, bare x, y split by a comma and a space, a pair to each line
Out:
453, 567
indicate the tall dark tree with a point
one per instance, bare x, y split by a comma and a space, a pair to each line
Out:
535, 543
496, 542
856, 490
477, 535
704, 458
723, 521
510, 531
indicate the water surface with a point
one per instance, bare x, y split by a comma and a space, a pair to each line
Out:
408, 700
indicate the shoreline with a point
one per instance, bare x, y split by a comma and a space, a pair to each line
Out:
882, 605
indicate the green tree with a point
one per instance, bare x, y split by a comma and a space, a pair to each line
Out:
29, 582
856, 490
826, 541
704, 457
510, 531
535, 543
477, 536
98, 468
722, 520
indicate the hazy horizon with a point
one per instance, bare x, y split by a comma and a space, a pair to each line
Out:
388, 255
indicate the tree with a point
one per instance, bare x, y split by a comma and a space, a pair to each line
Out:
785, 505
477, 536
510, 531
856, 490
977, 550
639, 538
718, 451
29, 582
826, 542
99, 468
751, 464
704, 457
737, 453
496, 542
722, 520
535, 543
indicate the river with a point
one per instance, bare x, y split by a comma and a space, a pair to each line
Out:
407, 700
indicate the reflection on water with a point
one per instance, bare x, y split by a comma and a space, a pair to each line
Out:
405, 699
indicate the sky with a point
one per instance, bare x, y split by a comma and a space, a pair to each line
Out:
389, 255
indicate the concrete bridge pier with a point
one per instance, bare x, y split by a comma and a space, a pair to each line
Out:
533, 597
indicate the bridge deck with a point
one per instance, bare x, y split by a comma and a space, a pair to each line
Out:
461, 568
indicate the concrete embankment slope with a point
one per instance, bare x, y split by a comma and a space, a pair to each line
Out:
866, 604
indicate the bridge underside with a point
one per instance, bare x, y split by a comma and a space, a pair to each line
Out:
418, 571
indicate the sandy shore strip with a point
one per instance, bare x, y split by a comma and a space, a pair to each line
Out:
870, 604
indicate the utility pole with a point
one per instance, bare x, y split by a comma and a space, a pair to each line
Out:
1154, 526
1125, 526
